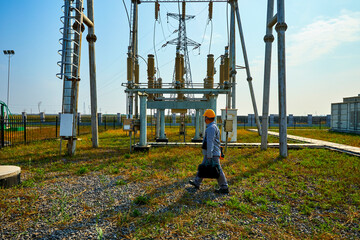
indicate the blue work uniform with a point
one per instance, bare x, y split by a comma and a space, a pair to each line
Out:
212, 152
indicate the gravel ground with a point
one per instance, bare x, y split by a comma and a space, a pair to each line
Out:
83, 207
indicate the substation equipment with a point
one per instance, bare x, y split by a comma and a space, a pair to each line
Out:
152, 95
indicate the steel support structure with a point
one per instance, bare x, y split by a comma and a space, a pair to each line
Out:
71, 40
249, 78
281, 26
162, 126
70, 64
143, 120
280, 29
268, 39
231, 101
197, 137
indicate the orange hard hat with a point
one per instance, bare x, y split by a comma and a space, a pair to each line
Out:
209, 113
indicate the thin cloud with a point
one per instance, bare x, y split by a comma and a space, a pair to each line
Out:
322, 37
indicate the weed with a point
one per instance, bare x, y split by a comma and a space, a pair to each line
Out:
248, 195
82, 170
100, 233
211, 203
120, 182
142, 200
135, 213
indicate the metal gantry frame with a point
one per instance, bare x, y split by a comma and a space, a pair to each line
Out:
134, 88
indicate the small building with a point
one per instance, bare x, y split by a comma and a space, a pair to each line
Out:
345, 116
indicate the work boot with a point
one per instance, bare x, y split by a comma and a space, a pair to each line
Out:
191, 182
222, 190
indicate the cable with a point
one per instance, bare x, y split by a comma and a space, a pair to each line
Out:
204, 32
227, 23
156, 58
211, 35
162, 28
127, 13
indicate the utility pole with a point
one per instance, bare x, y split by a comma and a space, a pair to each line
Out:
91, 38
10, 53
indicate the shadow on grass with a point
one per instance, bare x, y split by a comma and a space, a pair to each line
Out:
254, 171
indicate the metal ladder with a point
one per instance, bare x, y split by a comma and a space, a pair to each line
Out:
70, 52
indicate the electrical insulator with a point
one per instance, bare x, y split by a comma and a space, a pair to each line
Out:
129, 69
210, 71
151, 73
157, 8
159, 82
221, 75
178, 69
210, 10
183, 9
226, 69
137, 73
182, 67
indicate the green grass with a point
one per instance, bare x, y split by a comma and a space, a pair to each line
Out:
271, 197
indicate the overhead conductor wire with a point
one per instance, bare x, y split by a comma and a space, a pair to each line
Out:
127, 14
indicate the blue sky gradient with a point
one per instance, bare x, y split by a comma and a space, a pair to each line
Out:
323, 52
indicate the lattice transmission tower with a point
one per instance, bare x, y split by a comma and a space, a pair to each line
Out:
182, 42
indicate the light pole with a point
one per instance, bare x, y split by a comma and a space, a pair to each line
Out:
10, 53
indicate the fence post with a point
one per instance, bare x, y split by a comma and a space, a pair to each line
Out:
56, 126
25, 119
78, 124
114, 121
105, 121
2, 126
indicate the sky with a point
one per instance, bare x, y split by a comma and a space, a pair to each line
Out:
322, 51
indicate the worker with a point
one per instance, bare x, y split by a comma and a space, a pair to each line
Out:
211, 151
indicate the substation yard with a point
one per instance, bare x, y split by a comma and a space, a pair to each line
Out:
111, 194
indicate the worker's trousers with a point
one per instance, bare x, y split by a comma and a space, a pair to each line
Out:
221, 180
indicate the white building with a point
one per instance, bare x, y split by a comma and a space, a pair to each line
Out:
345, 116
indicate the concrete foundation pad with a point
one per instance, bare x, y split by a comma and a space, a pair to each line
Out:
162, 140
9, 176
138, 148
196, 140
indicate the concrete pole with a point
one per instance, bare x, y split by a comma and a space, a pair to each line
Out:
202, 123
232, 56
143, 121
162, 124
213, 104
269, 38
249, 78
281, 28
91, 38
197, 124
158, 123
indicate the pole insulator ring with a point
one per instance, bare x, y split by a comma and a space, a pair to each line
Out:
268, 38
91, 38
281, 27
